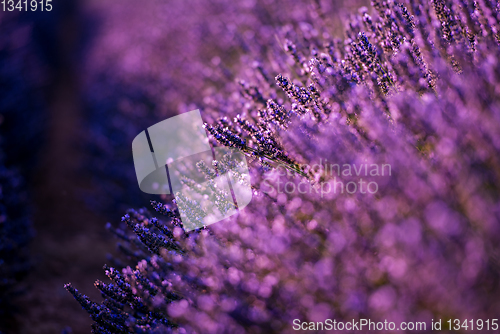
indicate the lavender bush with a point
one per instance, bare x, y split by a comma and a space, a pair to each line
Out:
411, 87
16, 232
21, 123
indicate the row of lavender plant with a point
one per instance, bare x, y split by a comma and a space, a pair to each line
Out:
414, 86
22, 121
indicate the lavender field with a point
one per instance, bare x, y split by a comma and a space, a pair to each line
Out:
372, 135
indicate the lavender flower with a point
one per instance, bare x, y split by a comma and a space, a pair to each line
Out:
414, 95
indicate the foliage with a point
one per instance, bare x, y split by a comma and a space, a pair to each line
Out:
414, 86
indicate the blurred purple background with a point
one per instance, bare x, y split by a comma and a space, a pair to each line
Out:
78, 83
